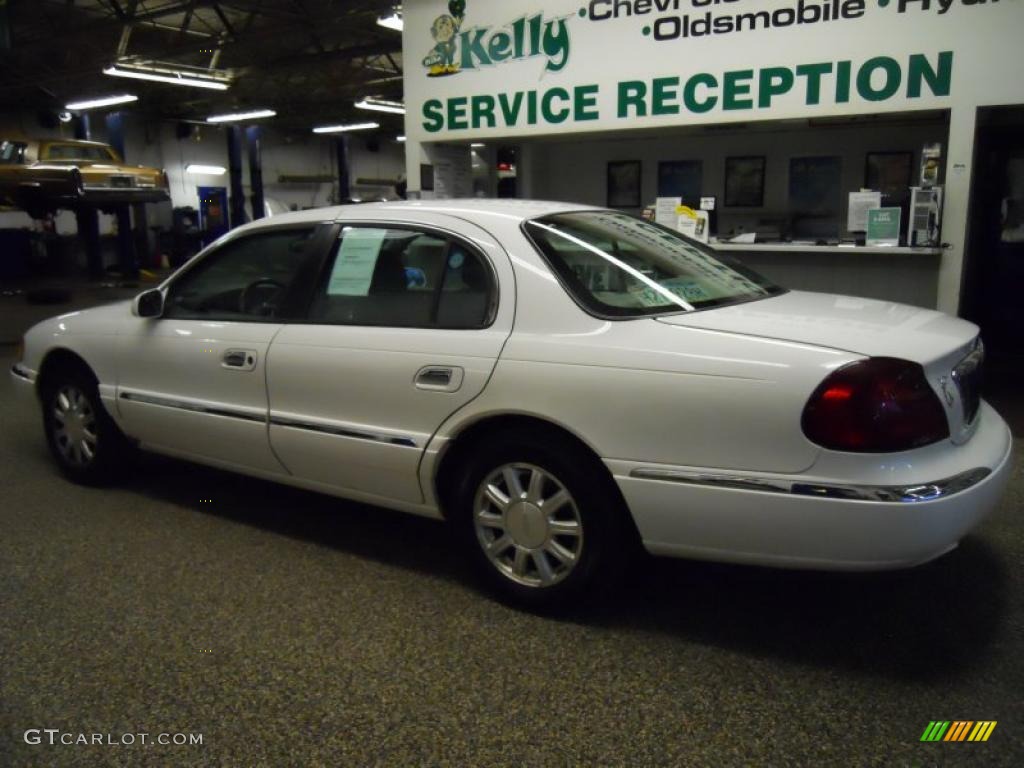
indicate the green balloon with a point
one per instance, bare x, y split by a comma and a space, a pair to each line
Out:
457, 8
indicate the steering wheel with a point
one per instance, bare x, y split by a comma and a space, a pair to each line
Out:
253, 289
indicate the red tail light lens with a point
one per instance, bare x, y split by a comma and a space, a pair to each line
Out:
873, 406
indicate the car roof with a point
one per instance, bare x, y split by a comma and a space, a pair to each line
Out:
74, 142
517, 209
471, 208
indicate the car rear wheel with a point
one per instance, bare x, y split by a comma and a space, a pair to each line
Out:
86, 444
541, 520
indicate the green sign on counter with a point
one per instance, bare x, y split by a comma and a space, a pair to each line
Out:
883, 226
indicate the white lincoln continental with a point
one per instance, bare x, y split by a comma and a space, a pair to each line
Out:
556, 381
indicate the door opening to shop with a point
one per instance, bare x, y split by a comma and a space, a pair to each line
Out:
213, 212
995, 269
508, 165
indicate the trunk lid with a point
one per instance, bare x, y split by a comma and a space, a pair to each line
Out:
866, 326
946, 346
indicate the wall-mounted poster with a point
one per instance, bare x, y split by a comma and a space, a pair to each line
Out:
814, 196
682, 179
889, 173
744, 182
624, 184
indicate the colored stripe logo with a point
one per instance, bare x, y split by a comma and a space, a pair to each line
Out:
959, 730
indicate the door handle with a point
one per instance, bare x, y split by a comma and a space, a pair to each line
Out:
435, 377
439, 378
239, 359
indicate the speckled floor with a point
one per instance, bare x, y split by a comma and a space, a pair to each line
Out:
291, 629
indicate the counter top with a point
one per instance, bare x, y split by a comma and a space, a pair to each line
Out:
803, 248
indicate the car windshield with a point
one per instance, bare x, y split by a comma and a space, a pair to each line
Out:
615, 265
78, 152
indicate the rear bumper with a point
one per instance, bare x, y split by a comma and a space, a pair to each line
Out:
123, 195
781, 524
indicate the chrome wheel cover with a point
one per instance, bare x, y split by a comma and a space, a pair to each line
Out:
74, 426
528, 525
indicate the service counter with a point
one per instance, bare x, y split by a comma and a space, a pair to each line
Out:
908, 275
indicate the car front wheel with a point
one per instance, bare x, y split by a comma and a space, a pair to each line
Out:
541, 521
83, 439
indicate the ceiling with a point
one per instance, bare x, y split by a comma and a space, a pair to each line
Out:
307, 59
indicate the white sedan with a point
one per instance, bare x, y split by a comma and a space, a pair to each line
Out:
556, 381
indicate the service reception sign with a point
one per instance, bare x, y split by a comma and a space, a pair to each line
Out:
479, 68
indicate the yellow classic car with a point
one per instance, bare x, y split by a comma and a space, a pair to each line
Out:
40, 176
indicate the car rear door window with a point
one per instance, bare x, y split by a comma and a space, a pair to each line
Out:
78, 152
387, 276
248, 278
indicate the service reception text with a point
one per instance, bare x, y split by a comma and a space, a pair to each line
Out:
878, 79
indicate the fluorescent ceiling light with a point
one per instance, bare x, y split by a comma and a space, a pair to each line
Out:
236, 116
106, 101
380, 105
477, 145
399, 138
394, 21
208, 170
173, 78
349, 127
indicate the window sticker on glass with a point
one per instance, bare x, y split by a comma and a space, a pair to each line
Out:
686, 289
639, 295
357, 258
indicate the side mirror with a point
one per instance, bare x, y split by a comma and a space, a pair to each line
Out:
148, 304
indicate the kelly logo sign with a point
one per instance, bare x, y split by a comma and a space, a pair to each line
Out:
456, 49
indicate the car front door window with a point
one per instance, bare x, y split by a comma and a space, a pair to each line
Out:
247, 279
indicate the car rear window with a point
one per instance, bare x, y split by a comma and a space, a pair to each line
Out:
77, 152
616, 265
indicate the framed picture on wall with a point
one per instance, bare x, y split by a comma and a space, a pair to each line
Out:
624, 184
681, 178
744, 182
814, 196
889, 173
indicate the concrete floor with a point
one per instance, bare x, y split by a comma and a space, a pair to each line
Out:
293, 629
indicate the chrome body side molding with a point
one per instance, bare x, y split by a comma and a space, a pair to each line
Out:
182, 405
938, 489
280, 421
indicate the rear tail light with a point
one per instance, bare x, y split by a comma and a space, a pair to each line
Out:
873, 406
